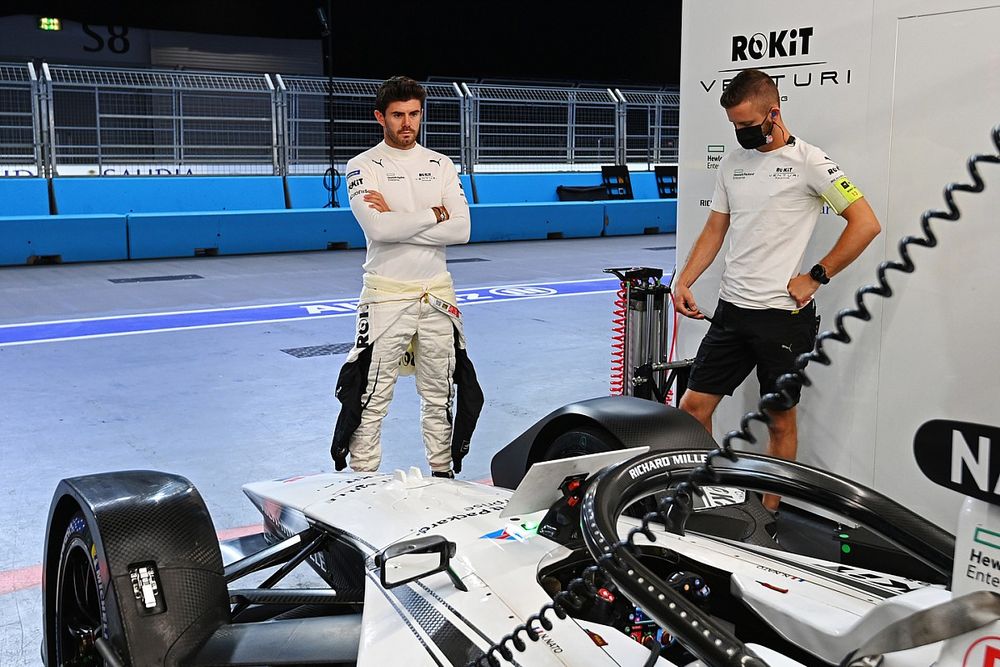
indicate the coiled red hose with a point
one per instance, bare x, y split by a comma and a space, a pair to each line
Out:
618, 341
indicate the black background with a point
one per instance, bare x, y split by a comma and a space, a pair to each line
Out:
622, 43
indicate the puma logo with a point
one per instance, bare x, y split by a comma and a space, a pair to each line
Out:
437, 162
378, 162
787, 347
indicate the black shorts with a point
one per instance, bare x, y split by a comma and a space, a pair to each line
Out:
741, 338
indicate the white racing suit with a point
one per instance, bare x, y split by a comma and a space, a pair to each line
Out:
391, 314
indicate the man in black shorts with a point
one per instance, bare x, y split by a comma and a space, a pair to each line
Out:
768, 197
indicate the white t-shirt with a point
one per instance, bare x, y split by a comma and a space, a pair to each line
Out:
773, 200
407, 242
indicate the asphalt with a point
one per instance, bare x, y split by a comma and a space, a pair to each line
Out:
199, 375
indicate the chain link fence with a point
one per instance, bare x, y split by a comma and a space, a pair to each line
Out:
71, 120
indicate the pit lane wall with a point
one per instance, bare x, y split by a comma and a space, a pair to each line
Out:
82, 219
900, 94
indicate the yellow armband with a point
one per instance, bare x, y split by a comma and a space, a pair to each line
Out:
841, 194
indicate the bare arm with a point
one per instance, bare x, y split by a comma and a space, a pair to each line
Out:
862, 227
700, 258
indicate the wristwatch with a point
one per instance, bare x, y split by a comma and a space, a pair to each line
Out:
818, 273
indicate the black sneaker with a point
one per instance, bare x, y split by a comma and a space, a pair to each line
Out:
447, 474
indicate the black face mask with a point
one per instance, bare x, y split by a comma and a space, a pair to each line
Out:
754, 136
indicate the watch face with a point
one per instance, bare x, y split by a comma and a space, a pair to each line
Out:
818, 273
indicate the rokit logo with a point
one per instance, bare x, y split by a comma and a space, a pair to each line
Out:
775, 44
784, 173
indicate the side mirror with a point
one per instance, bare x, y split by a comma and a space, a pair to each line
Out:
406, 561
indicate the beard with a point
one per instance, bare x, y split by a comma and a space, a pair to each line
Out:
403, 140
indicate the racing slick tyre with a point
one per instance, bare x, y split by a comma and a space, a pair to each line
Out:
133, 573
81, 620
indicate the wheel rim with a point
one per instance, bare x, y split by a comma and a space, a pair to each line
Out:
79, 617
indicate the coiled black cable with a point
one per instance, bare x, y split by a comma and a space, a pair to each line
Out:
673, 508
331, 181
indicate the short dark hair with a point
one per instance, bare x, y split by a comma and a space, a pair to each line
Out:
750, 84
398, 89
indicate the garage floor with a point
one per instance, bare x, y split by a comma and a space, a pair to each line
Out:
209, 368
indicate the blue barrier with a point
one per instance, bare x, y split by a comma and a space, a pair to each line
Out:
180, 217
24, 196
518, 222
121, 194
640, 216
72, 238
154, 235
309, 192
516, 188
289, 231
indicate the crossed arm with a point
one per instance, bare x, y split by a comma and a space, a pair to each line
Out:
446, 224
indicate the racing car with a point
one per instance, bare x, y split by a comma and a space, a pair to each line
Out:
419, 570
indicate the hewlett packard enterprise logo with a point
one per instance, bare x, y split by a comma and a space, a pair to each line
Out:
775, 44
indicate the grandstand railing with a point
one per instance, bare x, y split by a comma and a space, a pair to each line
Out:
74, 120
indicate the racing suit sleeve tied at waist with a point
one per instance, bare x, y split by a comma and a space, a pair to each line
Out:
386, 315
379, 289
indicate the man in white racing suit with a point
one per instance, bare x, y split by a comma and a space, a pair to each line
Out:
410, 204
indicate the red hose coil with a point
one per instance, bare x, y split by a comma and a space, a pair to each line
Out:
618, 341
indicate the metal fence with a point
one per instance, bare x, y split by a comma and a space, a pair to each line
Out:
306, 103
107, 121
653, 124
20, 120
523, 125
72, 120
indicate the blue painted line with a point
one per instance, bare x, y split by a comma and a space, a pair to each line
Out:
124, 325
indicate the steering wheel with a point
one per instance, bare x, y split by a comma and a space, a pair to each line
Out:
616, 487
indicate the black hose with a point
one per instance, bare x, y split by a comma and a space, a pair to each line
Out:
680, 498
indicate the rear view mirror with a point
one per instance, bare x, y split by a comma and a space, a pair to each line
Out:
406, 561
